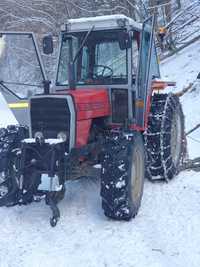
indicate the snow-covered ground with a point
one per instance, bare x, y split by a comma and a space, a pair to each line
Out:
166, 232
184, 68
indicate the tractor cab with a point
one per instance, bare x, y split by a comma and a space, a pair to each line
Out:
106, 53
112, 52
103, 51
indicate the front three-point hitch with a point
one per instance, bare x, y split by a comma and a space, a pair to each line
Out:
42, 173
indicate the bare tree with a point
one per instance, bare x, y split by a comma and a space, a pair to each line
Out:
178, 2
44, 17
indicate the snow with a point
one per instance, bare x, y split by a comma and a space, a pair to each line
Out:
2, 45
184, 68
165, 233
6, 116
99, 22
99, 18
47, 141
120, 184
104, 20
49, 183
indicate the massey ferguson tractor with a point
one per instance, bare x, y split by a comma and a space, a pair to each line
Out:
106, 109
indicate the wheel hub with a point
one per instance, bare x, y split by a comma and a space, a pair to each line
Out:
176, 138
136, 174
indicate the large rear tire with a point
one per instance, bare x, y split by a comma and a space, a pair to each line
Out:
165, 138
122, 177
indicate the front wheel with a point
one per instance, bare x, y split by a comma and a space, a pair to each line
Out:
10, 142
9, 181
122, 177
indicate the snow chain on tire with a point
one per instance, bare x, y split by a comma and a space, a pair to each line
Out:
165, 140
10, 139
117, 186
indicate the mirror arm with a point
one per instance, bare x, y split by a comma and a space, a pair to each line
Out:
71, 72
46, 84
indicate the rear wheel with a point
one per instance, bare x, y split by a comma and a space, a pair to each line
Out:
165, 138
122, 177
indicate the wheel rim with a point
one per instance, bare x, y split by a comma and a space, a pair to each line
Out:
176, 138
136, 175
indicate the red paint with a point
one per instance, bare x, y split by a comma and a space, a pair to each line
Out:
161, 85
132, 127
89, 104
82, 132
94, 103
148, 107
137, 37
137, 128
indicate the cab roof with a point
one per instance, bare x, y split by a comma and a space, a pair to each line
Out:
101, 23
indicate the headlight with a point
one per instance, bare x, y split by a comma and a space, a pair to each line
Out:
63, 136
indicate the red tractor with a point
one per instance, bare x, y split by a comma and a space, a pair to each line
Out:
106, 109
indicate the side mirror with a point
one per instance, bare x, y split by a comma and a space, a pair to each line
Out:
124, 40
47, 45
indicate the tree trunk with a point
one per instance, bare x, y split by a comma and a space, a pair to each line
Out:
178, 2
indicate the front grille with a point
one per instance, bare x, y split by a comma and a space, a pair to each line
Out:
50, 116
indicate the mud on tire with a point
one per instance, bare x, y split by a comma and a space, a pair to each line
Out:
122, 177
165, 139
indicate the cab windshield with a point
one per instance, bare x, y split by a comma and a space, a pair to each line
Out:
101, 60
21, 71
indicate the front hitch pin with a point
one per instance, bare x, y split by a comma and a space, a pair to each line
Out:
39, 138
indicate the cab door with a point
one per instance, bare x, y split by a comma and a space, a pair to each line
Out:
147, 69
21, 72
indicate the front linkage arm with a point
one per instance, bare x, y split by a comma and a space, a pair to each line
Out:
46, 160
35, 170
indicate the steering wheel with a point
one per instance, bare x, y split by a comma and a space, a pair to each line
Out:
102, 72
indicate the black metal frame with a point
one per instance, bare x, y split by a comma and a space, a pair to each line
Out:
37, 159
